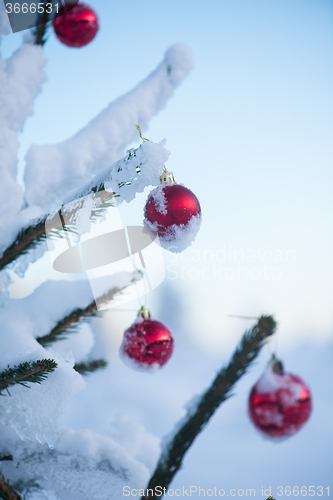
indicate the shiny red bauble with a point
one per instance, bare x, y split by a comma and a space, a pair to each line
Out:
77, 26
147, 343
279, 403
174, 212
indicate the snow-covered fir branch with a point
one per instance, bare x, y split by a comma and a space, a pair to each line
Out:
140, 167
36, 413
21, 80
52, 171
201, 410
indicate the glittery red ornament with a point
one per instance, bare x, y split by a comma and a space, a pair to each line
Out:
174, 212
279, 403
148, 343
76, 27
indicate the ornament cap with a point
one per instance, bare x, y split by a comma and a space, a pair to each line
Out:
144, 312
167, 177
276, 365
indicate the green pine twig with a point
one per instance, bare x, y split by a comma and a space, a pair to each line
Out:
25, 239
89, 367
6, 491
33, 371
220, 390
69, 323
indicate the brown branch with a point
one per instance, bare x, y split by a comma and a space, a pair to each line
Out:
197, 418
6, 491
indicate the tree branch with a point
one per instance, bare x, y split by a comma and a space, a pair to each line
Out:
91, 366
6, 491
34, 372
137, 166
122, 173
68, 324
25, 239
30, 236
198, 416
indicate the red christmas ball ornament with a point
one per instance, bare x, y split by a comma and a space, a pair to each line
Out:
174, 212
147, 343
76, 25
279, 403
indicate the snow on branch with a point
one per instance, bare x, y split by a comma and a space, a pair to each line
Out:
141, 167
199, 413
83, 465
52, 169
21, 77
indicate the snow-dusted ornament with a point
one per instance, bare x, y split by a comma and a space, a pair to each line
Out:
76, 24
279, 403
147, 343
174, 212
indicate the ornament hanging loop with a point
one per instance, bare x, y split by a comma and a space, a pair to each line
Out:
167, 177
276, 364
138, 128
144, 312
